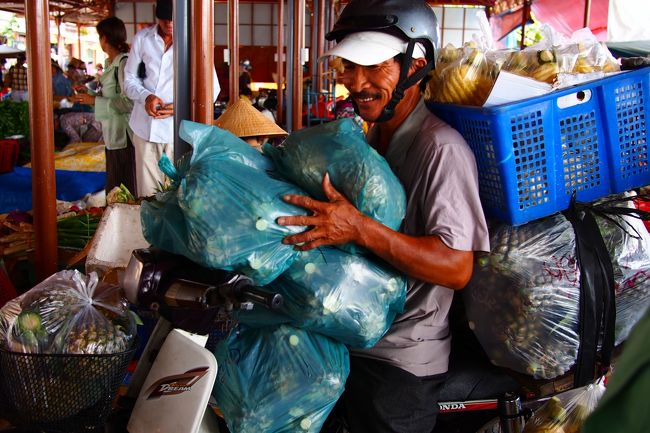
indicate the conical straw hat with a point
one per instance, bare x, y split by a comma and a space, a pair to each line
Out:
244, 120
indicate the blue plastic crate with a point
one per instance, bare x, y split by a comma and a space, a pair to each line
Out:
533, 154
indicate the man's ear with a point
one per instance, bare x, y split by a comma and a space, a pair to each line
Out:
417, 64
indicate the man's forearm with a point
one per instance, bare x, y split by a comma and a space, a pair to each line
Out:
424, 258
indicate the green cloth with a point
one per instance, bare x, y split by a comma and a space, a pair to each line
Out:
112, 107
624, 408
629, 49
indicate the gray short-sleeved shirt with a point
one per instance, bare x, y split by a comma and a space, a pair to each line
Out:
438, 171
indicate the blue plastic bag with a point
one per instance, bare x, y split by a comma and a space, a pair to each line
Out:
278, 379
347, 297
356, 169
210, 140
221, 208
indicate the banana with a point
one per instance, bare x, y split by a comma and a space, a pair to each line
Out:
546, 72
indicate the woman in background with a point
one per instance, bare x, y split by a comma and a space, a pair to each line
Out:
112, 107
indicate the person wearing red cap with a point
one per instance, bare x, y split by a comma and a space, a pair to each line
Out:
149, 83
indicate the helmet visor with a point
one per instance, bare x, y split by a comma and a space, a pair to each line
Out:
371, 48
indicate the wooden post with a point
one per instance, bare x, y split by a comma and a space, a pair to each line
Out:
202, 46
298, 44
41, 125
320, 45
280, 64
524, 18
587, 18
78, 41
233, 45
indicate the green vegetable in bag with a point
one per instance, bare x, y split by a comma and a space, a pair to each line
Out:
356, 169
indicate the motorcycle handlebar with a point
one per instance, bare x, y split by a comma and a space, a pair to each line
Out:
272, 301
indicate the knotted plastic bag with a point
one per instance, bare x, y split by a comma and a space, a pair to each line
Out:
348, 297
278, 379
221, 208
628, 244
68, 313
563, 413
566, 412
523, 299
355, 169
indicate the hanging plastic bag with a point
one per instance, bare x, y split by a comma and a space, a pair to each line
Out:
523, 299
356, 169
628, 243
566, 412
209, 140
221, 209
68, 313
562, 413
347, 297
278, 379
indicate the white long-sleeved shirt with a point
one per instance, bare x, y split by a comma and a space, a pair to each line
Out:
149, 47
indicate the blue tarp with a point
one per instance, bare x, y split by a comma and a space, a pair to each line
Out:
16, 187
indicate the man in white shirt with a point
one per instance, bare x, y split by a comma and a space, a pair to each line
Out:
149, 82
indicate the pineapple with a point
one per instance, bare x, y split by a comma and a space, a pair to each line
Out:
94, 337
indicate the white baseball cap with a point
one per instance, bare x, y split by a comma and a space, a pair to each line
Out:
371, 48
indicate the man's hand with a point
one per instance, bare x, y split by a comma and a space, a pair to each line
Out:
83, 98
156, 108
333, 222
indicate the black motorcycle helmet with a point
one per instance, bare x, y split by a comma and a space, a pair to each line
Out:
411, 20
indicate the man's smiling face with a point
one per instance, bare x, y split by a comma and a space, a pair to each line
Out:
371, 87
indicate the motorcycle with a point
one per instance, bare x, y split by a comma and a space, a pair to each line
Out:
172, 383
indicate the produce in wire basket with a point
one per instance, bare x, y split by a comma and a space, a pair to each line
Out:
68, 313
88, 328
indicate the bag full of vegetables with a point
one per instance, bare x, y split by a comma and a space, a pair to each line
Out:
562, 413
221, 209
356, 169
566, 412
348, 297
68, 313
211, 140
524, 297
278, 379
64, 350
628, 244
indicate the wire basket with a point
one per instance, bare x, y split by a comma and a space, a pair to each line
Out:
60, 393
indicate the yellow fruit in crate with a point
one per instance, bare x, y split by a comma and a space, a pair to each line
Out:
582, 66
448, 54
611, 66
546, 72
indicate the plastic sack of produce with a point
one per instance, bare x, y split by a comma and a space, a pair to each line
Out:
213, 140
68, 313
356, 169
563, 413
348, 297
523, 299
628, 244
464, 75
220, 212
278, 379
566, 412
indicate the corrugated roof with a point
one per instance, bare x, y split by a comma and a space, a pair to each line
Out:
84, 12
